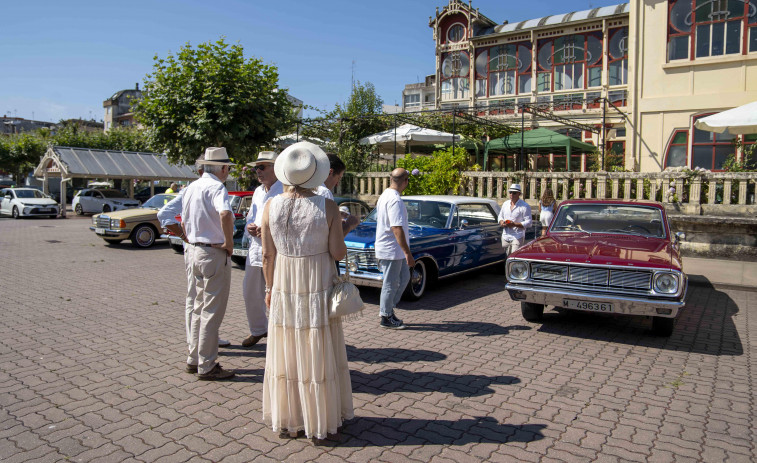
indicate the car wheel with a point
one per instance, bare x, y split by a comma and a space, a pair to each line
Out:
532, 312
662, 326
239, 260
106, 208
15, 213
78, 210
416, 287
143, 236
112, 241
178, 248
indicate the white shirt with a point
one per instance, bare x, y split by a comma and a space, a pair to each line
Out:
167, 214
204, 200
322, 190
390, 212
255, 215
521, 213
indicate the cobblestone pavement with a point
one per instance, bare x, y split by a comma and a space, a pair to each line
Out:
92, 352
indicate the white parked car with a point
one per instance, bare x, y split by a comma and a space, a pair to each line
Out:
27, 202
101, 200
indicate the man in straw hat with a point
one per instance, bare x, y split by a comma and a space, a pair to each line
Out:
253, 285
515, 217
208, 224
167, 216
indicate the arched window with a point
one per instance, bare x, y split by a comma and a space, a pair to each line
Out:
677, 154
455, 33
455, 71
618, 51
709, 150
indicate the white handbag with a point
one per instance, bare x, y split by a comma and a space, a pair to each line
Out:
344, 300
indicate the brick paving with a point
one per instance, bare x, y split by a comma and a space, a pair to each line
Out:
92, 351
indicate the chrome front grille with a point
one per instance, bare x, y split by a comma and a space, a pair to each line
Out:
593, 277
103, 221
364, 258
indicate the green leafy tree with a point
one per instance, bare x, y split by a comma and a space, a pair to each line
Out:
438, 174
212, 96
21, 153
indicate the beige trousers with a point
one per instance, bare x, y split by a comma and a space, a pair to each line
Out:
253, 290
211, 273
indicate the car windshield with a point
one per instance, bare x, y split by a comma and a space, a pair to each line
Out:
422, 213
112, 194
28, 194
235, 202
157, 201
610, 218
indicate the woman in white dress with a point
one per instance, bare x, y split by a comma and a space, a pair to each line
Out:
547, 208
306, 386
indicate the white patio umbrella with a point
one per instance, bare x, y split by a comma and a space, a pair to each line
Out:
740, 120
408, 135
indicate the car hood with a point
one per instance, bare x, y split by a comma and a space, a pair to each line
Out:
138, 213
603, 249
38, 201
364, 236
125, 201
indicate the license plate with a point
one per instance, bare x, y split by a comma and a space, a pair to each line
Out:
175, 240
100, 231
587, 306
239, 252
44, 209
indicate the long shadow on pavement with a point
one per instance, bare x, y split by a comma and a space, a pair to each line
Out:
476, 328
390, 354
398, 380
704, 326
375, 431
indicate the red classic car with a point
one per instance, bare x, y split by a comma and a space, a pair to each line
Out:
607, 256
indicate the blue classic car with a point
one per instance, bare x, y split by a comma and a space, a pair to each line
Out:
448, 235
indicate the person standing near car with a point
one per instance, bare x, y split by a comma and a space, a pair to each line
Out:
336, 171
208, 224
393, 247
515, 217
174, 188
167, 217
253, 285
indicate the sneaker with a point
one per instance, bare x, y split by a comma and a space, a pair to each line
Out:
392, 322
215, 374
191, 368
223, 343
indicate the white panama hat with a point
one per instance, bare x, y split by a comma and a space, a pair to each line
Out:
515, 187
302, 164
264, 157
216, 156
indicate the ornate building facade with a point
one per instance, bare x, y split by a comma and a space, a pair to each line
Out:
632, 77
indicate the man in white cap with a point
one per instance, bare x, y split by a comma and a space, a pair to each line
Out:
208, 224
167, 216
515, 217
253, 285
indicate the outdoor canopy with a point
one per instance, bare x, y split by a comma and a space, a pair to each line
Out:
740, 120
537, 139
408, 135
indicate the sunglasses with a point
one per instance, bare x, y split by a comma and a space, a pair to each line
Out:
260, 167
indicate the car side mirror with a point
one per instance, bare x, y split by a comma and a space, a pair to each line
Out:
463, 223
680, 236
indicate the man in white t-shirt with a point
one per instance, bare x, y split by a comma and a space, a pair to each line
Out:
515, 217
336, 172
393, 247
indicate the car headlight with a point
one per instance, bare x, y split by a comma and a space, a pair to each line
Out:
518, 270
116, 223
94, 219
666, 283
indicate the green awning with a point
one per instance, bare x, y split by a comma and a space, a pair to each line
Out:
538, 139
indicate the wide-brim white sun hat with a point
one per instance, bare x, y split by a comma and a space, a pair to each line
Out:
302, 164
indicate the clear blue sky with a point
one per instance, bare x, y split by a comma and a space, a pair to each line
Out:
60, 59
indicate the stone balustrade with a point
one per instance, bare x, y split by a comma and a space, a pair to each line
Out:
685, 192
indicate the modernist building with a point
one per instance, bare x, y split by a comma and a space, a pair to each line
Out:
634, 76
118, 111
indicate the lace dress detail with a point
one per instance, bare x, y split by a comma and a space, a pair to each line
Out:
307, 379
